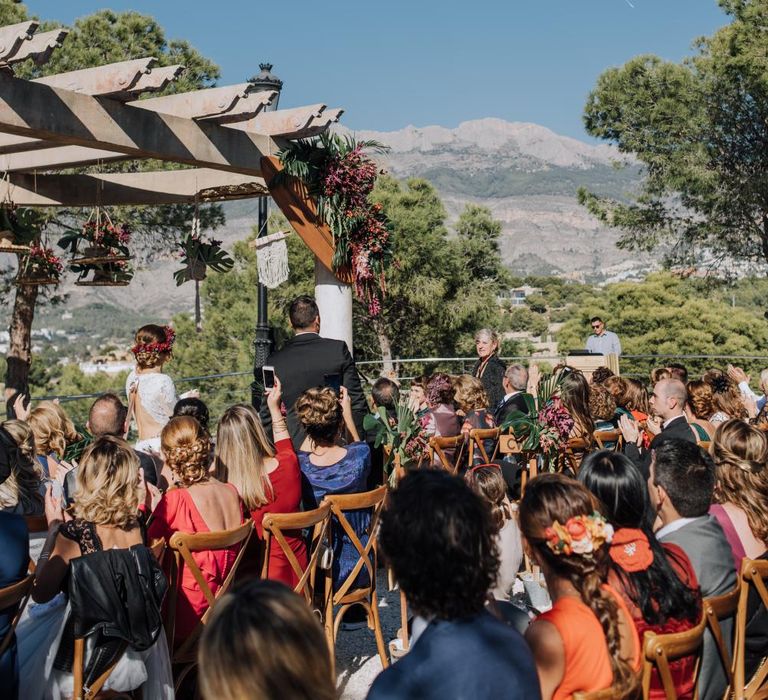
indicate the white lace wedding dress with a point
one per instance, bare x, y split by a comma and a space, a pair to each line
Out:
156, 393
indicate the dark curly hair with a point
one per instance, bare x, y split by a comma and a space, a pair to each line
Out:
439, 539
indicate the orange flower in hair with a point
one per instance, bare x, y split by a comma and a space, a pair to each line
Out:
631, 550
582, 534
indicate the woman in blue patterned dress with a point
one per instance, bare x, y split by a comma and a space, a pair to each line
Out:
329, 465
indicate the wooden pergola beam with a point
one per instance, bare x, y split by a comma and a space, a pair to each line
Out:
245, 108
41, 111
39, 48
154, 81
130, 189
283, 122
209, 102
102, 80
12, 36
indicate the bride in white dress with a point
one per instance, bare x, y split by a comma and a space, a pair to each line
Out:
151, 394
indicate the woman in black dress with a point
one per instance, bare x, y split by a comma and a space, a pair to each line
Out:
489, 368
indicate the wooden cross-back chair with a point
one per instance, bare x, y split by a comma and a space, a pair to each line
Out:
716, 610
275, 526
509, 445
614, 438
183, 545
605, 694
753, 576
437, 447
660, 649
15, 594
575, 451
348, 593
93, 690
158, 547
477, 438
705, 445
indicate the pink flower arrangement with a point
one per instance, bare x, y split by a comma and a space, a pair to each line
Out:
41, 262
106, 234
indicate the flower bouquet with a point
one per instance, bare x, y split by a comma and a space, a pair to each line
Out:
544, 430
39, 266
402, 435
339, 176
199, 253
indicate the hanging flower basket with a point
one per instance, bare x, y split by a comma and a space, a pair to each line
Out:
98, 242
39, 266
117, 273
340, 177
199, 253
17, 233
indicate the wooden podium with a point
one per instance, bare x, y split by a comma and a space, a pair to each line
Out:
587, 364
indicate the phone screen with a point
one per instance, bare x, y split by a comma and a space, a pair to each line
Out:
268, 373
333, 381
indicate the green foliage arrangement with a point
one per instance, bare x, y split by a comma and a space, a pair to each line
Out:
199, 253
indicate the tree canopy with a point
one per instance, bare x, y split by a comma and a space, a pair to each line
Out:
700, 130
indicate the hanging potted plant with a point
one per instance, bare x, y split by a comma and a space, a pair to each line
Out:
17, 232
118, 273
39, 266
340, 177
199, 253
98, 241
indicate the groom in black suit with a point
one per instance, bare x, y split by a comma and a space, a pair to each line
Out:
515, 382
306, 361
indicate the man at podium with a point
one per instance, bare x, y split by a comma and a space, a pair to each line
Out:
602, 341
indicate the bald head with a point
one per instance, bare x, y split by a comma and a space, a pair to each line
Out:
107, 416
669, 398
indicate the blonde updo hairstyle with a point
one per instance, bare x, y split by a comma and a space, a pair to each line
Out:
52, 428
319, 412
740, 452
469, 393
186, 447
107, 481
488, 483
701, 399
145, 336
23, 484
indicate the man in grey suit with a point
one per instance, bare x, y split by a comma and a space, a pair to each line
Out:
681, 486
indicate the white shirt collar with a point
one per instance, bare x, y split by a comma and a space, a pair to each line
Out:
669, 420
675, 525
507, 397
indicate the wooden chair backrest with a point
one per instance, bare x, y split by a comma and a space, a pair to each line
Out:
158, 548
660, 649
477, 438
92, 691
704, 444
606, 694
437, 445
575, 451
614, 436
716, 609
753, 575
275, 525
341, 504
15, 594
183, 544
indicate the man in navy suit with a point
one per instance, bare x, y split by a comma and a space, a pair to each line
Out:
438, 537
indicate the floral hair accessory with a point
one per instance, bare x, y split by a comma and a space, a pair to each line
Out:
157, 348
582, 534
631, 550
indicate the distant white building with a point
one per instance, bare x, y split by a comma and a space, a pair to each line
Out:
107, 367
518, 295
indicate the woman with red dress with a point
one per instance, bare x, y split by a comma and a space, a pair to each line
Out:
656, 580
196, 503
267, 478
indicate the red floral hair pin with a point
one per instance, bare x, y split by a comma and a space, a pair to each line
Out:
157, 348
582, 534
631, 550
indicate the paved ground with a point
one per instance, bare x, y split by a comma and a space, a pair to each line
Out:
357, 661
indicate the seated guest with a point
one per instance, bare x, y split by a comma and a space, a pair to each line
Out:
442, 420
192, 406
574, 392
266, 477
600, 375
109, 416
678, 371
515, 384
417, 397
328, 467
700, 407
198, 503
740, 453
587, 641
14, 559
438, 537
635, 399
726, 396
617, 386
487, 482
681, 486
602, 407
656, 580
54, 432
105, 522
263, 641
23, 491
759, 401
472, 403
659, 373
386, 394
668, 403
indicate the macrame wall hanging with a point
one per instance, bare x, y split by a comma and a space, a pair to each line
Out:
272, 259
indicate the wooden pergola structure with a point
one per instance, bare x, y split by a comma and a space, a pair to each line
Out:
225, 135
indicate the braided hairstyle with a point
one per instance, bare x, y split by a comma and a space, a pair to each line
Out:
553, 498
186, 447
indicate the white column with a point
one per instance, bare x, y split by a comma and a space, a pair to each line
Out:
334, 300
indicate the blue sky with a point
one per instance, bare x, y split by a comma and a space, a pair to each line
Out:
423, 62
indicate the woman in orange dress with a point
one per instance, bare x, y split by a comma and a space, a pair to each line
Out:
587, 641
197, 503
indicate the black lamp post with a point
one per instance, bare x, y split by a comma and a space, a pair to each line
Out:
262, 341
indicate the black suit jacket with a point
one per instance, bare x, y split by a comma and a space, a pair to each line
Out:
679, 428
514, 403
302, 364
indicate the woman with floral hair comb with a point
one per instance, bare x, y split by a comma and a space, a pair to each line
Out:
587, 640
151, 394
